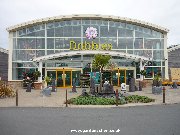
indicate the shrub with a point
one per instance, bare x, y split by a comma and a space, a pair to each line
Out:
91, 100
137, 98
5, 90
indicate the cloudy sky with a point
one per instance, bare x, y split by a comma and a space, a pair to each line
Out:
165, 13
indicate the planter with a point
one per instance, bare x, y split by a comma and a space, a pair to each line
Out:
156, 90
37, 85
143, 84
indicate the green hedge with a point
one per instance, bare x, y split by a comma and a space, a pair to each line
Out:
91, 100
137, 98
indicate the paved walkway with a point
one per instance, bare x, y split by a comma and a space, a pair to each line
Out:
35, 99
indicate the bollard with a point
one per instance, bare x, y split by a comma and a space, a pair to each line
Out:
164, 94
66, 98
116, 97
16, 97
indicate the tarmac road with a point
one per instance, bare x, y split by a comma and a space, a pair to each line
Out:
138, 120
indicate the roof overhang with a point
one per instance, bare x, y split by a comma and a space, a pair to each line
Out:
3, 50
89, 16
173, 48
90, 52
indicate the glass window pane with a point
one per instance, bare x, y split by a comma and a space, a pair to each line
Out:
86, 22
40, 33
149, 72
122, 43
139, 34
125, 33
50, 25
129, 42
111, 24
50, 32
111, 43
148, 53
76, 31
112, 32
50, 52
139, 52
158, 54
40, 43
59, 32
59, 43
50, 43
40, 53
104, 31
138, 44
148, 43
67, 31
23, 55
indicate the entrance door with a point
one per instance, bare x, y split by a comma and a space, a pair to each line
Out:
64, 78
118, 77
60, 78
115, 77
76, 77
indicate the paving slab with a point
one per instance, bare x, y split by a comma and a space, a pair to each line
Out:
57, 99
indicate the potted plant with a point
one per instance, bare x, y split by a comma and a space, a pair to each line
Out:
47, 80
142, 84
157, 84
37, 74
37, 85
143, 72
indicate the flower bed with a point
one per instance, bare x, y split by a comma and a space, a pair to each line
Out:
92, 100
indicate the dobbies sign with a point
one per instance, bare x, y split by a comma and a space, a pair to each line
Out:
89, 46
91, 33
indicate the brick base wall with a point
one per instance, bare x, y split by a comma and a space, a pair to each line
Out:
15, 83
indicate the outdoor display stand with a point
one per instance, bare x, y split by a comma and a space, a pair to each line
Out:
123, 87
92, 86
140, 85
28, 87
132, 85
174, 85
74, 85
46, 91
53, 85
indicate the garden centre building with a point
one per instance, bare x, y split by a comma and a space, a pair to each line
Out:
62, 46
3, 64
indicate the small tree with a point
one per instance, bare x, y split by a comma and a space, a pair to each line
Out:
99, 62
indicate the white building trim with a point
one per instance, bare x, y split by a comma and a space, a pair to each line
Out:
88, 16
92, 52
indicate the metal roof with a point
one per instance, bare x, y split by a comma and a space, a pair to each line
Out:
172, 48
3, 50
88, 16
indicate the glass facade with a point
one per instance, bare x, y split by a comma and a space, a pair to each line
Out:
55, 37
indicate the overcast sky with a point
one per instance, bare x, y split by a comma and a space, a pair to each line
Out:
165, 13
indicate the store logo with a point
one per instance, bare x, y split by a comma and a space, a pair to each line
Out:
91, 33
89, 46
